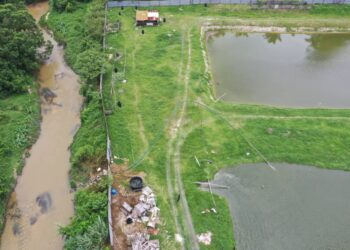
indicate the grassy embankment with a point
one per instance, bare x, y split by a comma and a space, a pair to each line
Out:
88, 228
155, 66
19, 127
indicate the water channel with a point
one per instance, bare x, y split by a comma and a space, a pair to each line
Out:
294, 207
294, 70
42, 201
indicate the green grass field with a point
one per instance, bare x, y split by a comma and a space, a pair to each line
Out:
166, 64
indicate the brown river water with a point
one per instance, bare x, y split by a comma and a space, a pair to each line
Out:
42, 201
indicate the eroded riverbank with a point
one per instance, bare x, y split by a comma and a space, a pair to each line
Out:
42, 200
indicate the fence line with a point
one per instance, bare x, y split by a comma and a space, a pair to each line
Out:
109, 154
153, 3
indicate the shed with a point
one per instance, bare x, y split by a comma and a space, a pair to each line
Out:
147, 17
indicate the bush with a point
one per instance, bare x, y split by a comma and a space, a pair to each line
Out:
65, 5
89, 207
89, 65
93, 239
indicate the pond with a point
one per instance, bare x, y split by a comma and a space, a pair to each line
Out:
294, 207
285, 70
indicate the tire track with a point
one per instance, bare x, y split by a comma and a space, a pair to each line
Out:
175, 155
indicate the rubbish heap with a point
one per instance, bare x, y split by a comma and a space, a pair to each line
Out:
146, 212
140, 241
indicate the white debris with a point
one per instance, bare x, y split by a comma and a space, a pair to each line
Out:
205, 211
205, 238
179, 238
209, 210
144, 219
154, 212
142, 198
151, 245
151, 201
147, 191
151, 224
127, 207
139, 210
104, 172
140, 241
99, 169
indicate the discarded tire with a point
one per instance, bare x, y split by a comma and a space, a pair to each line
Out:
136, 183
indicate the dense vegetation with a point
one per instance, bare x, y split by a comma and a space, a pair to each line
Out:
88, 228
19, 106
81, 33
20, 39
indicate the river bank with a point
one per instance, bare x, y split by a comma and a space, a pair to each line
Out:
42, 200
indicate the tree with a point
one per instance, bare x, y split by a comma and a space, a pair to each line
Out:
89, 64
20, 39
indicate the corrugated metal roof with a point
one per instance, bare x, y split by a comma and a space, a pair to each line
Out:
141, 15
145, 15
153, 14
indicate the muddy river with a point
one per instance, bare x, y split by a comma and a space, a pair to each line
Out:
42, 200
294, 207
282, 69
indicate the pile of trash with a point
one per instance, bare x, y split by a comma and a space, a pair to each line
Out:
141, 241
146, 212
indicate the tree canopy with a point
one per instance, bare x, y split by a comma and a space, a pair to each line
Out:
20, 39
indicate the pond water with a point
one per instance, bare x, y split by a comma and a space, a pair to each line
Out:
294, 207
282, 69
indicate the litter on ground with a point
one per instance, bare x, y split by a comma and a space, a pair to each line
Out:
205, 238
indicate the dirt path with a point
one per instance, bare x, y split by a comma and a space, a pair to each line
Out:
177, 155
174, 157
172, 134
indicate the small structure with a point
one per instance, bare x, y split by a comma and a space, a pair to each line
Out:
147, 17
